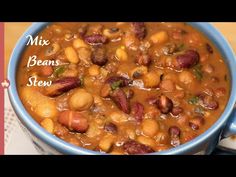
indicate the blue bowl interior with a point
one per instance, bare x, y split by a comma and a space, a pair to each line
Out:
67, 148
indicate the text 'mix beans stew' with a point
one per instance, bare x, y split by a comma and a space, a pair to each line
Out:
124, 88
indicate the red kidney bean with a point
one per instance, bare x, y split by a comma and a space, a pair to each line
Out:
196, 122
177, 110
133, 147
174, 132
164, 104
123, 81
95, 39
99, 56
137, 111
60, 86
110, 127
188, 59
74, 121
208, 102
209, 48
143, 59
120, 99
139, 30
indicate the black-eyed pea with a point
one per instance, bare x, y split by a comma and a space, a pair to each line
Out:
138, 72
149, 127
121, 54
186, 77
94, 70
71, 55
146, 141
159, 37
79, 43
53, 49
48, 125
106, 142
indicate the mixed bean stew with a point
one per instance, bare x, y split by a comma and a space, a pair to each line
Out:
124, 88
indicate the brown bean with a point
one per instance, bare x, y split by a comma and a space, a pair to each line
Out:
177, 110
209, 48
60, 86
139, 30
143, 59
133, 147
95, 39
120, 99
196, 122
208, 102
188, 59
164, 104
123, 81
174, 132
99, 56
137, 110
74, 121
110, 127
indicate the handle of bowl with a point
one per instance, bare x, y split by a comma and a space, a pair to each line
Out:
230, 128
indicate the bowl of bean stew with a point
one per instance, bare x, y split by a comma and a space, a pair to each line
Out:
124, 88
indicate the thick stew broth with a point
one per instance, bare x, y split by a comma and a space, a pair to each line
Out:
124, 88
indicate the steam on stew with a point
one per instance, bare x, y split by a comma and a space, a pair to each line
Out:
124, 88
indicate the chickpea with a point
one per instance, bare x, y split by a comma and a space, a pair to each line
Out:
118, 117
131, 133
151, 79
159, 37
71, 55
106, 142
112, 33
121, 54
79, 43
149, 127
94, 70
80, 100
48, 125
167, 85
146, 141
186, 77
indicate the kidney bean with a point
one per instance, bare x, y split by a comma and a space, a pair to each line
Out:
208, 102
143, 59
123, 81
209, 48
95, 39
188, 59
177, 110
99, 56
129, 93
196, 122
110, 127
60, 86
139, 30
120, 99
137, 111
164, 104
174, 132
74, 121
133, 147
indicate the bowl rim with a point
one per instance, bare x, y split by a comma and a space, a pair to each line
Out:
64, 147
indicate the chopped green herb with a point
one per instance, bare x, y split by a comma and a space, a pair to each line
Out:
116, 85
199, 110
59, 70
193, 100
197, 70
180, 47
